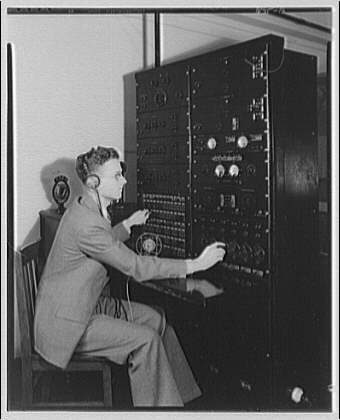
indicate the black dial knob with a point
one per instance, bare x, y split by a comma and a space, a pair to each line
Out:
259, 254
233, 250
248, 201
246, 253
251, 169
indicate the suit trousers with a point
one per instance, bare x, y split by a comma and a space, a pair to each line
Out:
158, 370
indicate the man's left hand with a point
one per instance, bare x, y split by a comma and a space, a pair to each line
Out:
206, 288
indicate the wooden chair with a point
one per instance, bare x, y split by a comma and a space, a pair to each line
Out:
27, 274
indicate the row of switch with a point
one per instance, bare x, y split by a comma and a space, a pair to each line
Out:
170, 240
164, 205
164, 202
244, 211
229, 224
163, 197
164, 222
244, 269
166, 230
174, 251
168, 215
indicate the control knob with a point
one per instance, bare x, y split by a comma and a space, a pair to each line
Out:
211, 143
298, 396
242, 142
259, 253
251, 169
248, 201
219, 171
246, 253
234, 170
233, 249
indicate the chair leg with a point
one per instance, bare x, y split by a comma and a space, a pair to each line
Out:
42, 385
26, 386
36, 378
107, 386
46, 387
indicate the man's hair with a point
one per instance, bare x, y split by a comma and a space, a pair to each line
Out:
87, 163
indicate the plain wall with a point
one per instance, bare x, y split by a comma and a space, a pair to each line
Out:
69, 96
186, 35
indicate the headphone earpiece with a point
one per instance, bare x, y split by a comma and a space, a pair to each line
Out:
93, 181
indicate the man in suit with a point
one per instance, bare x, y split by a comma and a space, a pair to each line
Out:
72, 314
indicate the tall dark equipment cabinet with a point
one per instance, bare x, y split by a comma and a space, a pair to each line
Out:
227, 150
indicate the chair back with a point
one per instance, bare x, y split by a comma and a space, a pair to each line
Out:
27, 276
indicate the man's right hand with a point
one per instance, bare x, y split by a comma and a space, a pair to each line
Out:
210, 256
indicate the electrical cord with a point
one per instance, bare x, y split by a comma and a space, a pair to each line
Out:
280, 65
99, 203
128, 298
274, 70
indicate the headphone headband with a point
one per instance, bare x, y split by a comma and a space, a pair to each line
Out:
93, 180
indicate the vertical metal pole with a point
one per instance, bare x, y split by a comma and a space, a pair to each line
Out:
157, 41
329, 207
10, 229
329, 146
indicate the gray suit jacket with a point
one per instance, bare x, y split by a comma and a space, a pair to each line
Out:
75, 275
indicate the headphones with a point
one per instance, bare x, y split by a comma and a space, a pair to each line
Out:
92, 181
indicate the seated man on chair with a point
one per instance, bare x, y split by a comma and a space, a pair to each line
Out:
73, 316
